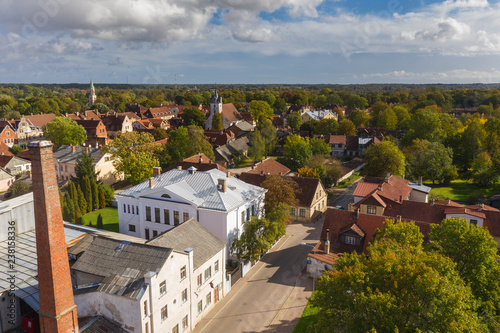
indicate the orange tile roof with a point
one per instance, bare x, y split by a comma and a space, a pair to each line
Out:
39, 120
231, 113
269, 166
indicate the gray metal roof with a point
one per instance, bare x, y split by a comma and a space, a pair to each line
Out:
6, 206
191, 234
420, 188
199, 188
106, 257
99, 324
241, 144
65, 154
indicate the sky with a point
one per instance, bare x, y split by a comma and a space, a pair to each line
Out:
249, 41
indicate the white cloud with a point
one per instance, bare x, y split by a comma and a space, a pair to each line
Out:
455, 75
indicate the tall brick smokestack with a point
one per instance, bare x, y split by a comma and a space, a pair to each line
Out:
57, 306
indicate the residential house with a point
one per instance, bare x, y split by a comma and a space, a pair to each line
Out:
6, 180
224, 154
208, 278
14, 165
116, 123
392, 187
138, 110
269, 166
318, 115
5, 150
65, 159
219, 138
143, 287
301, 109
221, 203
96, 131
31, 127
7, 134
242, 128
312, 197
230, 115
355, 145
337, 144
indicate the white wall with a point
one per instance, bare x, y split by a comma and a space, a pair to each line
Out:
21, 211
467, 217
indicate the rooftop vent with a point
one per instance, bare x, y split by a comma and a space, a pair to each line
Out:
192, 170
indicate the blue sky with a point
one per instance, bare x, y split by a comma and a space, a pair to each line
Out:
243, 41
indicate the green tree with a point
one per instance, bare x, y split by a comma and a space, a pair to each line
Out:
403, 116
297, 151
319, 147
280, 190
474, 252
482, 170
260, 110
159, 134
360, 118
346, 127
78, 216
387, 119
354, 101
269, 135
85, 166
100, 224
185, 142
16, 149
257, 147
64, 131
425, 124
95, 194
193, 116
398, 288
252, 243
102, 198
19, 187
218, 122
327, 126
382, 158
294, 120
84, 196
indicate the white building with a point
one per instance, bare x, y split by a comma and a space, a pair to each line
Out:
221, 203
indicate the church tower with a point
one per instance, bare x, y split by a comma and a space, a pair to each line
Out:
92, 96
57, 307
215, 104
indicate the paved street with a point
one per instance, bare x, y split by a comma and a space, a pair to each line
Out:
272, 296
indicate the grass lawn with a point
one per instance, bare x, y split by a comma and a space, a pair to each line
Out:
349, 181
460, 190
308, 317
109, 218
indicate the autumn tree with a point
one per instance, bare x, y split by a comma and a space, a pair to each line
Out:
308, 172
346, 127
382, 158
64, 131
280, 190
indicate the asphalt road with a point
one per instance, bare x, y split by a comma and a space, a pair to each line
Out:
272, 296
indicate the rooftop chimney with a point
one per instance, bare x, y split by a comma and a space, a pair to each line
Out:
156, 171
151, 182
73, 149
228, 174
327, 243
179, 167
420, 180
221, 186
57, 307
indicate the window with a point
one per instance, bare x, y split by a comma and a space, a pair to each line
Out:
248, 214
292, 212
371, 210
124, 208
208, 273
164, 313
175, 329
302, 212
253, 210
185, 217
157, 215
242, 217
145, 307
185, 322
473, 222
350, 240
200, 307
133, 212
176, 217
200, 281
137, 210
208, 300
184, 295
155, 233
183, 272
216, 266
146, 328
163, 288
166, 216
131, 227
148, 213
128, 208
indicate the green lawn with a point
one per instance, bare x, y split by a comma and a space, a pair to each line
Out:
461, 190
349, 181
109, 218
308, 317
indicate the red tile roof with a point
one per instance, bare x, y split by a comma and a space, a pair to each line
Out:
4, 159
5, 150
269, 166
39, 120
231, 113
200, 161
392, 188
463, 210
337, 139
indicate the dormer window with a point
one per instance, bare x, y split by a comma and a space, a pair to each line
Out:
371, 210
166, 196
473, 222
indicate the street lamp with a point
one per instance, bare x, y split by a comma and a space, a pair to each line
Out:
314, 278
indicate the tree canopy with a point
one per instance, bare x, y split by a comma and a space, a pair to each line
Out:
185, 142
193, 116
65, 131
280, 190
382, 158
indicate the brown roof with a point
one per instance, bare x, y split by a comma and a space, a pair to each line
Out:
463, 210
25, 154
481, 207
448, 203
269, 166
41, 119
219, 138
200, 161
307, 186
4, 159
5, 150
336, 139
247, 116
373, 199
392, 188
230, 112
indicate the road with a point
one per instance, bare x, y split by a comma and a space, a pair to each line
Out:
272, 296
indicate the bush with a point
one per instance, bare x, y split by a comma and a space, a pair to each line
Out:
19, 187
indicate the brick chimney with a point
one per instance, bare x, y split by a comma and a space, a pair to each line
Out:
156, 171
57, 307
